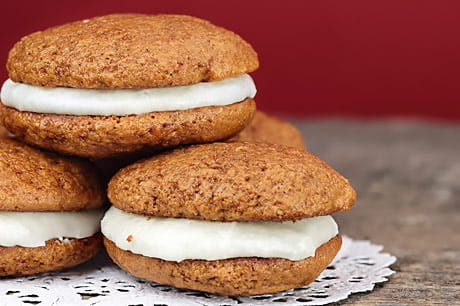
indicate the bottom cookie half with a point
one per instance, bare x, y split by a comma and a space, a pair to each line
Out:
55, 255
237, 276
110, 136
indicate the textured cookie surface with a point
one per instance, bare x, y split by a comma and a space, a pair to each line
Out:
130, 51
55, 255
100, 136
266, 128
33, 180
232, 182
238, 276
3, 132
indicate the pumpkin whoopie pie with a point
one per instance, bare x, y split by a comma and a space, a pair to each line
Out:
266, 128
227, 218
49, 210
123, 83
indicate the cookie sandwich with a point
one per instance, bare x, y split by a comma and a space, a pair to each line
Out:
49, 210
266, 128
226, 218
124, 83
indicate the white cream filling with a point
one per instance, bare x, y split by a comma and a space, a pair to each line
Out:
33, 229
121, 102
179, 239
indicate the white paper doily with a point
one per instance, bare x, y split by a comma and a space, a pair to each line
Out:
357, 268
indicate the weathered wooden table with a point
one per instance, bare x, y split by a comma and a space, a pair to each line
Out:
407, 176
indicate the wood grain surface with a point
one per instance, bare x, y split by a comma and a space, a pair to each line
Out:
407, 175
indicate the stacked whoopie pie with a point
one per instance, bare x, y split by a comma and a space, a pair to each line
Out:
119, 84
226, 218
49, 216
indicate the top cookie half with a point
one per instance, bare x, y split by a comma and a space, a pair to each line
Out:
130, 51
35, 180
232, 182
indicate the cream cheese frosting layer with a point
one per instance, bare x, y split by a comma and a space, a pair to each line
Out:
33, 229
121, 102
175, 239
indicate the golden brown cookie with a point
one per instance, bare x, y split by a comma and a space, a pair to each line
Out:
34, 180
266, 128
236, 276
100, 136
232, 182
55, 255
130, 51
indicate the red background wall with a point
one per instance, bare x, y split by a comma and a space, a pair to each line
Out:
353, 58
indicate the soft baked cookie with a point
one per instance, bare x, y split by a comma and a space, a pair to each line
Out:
34, 180
124, 83
234, 218
152, 51
112, 136
232, 182
56, 254
266, 128
237, 276
49, 210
